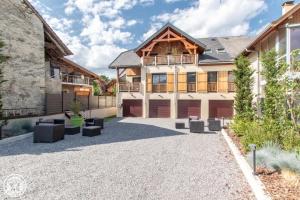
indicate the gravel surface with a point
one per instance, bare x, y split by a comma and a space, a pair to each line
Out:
132, 159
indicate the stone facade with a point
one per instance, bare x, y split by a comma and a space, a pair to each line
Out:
22, 32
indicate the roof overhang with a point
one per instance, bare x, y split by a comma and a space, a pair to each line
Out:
174, 29
50, 34
270, 28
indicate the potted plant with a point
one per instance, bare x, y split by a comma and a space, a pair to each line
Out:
76, 119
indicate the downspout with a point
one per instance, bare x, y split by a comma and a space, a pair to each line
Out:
258, 102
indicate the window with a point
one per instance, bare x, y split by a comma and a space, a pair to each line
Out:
282, 41
54, 71
159, 82
207, 51
191, 82
136, 79
231, 86
295, 35
212, 78
221, 50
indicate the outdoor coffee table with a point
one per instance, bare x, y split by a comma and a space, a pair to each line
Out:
91, 131
72, 130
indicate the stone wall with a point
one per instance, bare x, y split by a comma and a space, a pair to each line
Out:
53, 85
23, 35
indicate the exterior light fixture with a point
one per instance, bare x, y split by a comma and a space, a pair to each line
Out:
253, 149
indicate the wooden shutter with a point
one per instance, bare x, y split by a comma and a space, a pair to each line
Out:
223, 81
202, 82
149, 82
182, 82
133, 71
170, 82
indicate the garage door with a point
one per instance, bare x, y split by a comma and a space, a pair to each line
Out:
221, 108
159, 108
132, 108
188, 108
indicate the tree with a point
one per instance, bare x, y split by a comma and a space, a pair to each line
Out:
243, 82
106, 79
97, 88
275, 89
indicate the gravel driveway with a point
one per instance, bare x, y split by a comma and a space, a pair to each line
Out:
132, 159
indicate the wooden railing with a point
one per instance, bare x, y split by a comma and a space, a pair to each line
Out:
129, 87
170, 59
212, 86
159, 88
191, 87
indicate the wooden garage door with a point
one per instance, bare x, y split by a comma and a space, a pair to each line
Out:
159, 108
221, 108
132, 108
188, 108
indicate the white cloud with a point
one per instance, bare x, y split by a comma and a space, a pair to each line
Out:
212, 18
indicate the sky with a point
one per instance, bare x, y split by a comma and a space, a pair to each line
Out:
97, 31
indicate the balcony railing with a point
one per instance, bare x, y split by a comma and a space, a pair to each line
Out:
212, 86
75, 79
159, 88
191, 87
231, 87
170, 59
130, 87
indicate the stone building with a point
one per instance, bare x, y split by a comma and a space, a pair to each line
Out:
36, 57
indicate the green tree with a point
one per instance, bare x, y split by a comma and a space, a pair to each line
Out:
243, 81
106, 79
275, 89
97, 88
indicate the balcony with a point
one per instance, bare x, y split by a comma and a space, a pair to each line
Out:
130, 87
212, 87
169, 59
76, 79
159, 88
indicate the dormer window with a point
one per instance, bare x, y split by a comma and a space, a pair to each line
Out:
221, 50
206, 51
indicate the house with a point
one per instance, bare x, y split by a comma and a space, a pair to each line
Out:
111, 86
283, 35
174, 75
36, 65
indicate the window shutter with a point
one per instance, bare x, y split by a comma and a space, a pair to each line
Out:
182, 82
170, 82
202, 82
223, 81
149, 82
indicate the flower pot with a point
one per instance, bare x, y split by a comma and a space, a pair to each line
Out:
77, 121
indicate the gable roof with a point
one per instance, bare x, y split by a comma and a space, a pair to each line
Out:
126, 59
271, 27
49, 31
169, 25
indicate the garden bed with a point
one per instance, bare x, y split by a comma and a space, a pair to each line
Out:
275, 183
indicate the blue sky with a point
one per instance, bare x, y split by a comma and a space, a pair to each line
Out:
97, 30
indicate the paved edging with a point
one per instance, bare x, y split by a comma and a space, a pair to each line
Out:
15, 138
254, 182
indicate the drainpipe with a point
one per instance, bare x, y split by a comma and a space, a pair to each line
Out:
258, 81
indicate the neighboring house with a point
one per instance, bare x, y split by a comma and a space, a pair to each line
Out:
111, 86
283, 35
36, 64
72, 77
172, 74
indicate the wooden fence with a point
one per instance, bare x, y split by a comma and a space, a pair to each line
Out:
59, 103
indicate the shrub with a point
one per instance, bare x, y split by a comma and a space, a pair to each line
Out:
20, 127
76, 107
272, 157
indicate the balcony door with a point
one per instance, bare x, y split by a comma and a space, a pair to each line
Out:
159, 82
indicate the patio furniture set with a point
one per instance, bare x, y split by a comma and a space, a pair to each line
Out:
197, 126
53, 130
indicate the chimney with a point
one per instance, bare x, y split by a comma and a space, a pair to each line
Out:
287, 6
